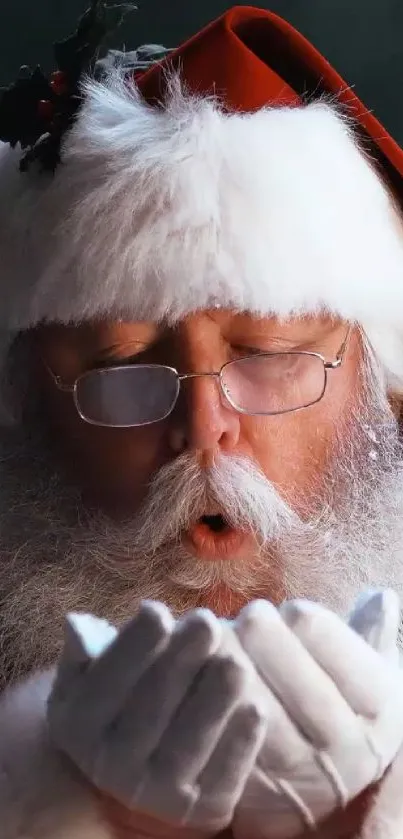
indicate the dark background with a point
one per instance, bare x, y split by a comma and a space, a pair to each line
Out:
362, 38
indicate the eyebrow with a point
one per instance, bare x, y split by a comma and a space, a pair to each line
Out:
300, 334
120, 345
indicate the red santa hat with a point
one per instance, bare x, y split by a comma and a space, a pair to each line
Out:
241, 172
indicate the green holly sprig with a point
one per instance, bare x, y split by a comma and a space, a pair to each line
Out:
36, 111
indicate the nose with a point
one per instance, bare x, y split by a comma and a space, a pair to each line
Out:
204, 421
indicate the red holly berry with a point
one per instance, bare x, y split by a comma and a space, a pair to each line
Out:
59, 83
45, 109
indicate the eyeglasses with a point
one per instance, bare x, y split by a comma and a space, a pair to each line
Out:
265, 384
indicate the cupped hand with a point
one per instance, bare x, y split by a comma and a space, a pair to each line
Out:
163, 717
335, 710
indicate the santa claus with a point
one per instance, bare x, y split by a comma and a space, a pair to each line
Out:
201, 470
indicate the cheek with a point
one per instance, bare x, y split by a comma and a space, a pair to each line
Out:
112, 466
293, 449
117, 465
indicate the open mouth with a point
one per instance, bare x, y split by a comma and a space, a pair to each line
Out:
215, 523
213, 537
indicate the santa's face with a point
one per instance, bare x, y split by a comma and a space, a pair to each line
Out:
115, 466
214, 504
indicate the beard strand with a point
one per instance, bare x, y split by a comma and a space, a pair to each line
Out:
56, 557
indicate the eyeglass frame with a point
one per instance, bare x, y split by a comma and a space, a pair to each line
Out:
62, 386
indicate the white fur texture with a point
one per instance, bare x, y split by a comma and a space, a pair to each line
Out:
41, 796
156, 212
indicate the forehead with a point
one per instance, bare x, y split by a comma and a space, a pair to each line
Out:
108, 333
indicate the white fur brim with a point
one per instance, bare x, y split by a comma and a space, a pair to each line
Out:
157, 212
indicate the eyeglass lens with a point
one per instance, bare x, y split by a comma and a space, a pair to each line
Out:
274, 384
127, 396
142, 394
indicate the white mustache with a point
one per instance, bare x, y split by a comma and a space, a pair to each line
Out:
233, 486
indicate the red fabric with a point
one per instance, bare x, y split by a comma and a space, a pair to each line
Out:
217, 60
250, 58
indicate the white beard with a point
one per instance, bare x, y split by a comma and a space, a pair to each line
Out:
56, 557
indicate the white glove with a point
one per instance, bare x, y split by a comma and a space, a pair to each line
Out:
335, 708
163, 716
376, 617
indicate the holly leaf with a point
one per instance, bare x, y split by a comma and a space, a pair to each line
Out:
76, 54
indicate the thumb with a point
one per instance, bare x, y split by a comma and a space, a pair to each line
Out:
376, 617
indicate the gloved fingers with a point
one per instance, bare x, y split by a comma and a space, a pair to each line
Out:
223, 778
166, 801
198, 724
304, 689
376, 617
160, 690
285, 748
356, 668
265, 811
109, 681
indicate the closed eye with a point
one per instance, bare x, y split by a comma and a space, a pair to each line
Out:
243, 351
122, 355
